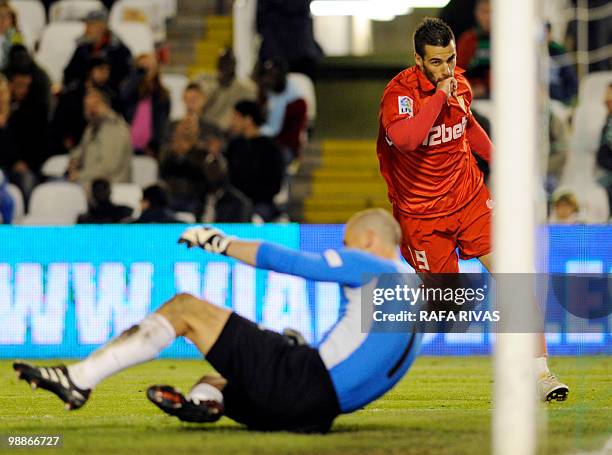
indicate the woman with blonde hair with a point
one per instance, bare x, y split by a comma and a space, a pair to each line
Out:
9, 31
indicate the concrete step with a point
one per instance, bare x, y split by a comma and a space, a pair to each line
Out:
361, 162
352, 175
335, 189
341, 146
356, 203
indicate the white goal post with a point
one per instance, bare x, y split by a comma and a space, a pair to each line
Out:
516, 33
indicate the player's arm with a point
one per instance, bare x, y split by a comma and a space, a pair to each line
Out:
407, 134
479, 140
320, 267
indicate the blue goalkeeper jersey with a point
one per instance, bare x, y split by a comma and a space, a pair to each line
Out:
363, 364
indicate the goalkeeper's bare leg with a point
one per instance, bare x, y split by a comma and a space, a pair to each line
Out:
183, 315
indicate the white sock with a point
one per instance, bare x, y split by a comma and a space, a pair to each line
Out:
205, 392
136, 345
541, 366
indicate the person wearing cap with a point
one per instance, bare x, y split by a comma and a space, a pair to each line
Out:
99, 41
105, 151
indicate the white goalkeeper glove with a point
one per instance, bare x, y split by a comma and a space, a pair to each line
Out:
209, 239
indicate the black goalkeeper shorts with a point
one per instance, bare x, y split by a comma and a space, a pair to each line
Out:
271, 384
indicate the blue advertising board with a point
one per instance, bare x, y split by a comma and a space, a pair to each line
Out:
66, 290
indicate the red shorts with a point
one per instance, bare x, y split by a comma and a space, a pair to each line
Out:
429, 244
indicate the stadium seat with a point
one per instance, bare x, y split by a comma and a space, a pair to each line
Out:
128, 194
169, 8
56, 47
73, 10
56, 203
185, 217
137, 37
307, 91
144, 170
31, 18
55, 166
483, 107
175, 84
151, 12
590, 114
19, 208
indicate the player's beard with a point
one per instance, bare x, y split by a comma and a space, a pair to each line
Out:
430, 76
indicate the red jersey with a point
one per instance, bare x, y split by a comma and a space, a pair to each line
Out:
434, 173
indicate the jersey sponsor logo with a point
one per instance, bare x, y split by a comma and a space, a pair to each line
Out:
441, 134
405, 105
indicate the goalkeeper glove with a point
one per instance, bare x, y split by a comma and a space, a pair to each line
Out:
209, 239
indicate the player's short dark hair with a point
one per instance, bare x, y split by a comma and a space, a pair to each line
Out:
250, 109
434, 32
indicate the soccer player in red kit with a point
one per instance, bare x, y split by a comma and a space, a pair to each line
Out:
425, 142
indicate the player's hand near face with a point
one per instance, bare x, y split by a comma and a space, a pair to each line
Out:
208, 238
448, 86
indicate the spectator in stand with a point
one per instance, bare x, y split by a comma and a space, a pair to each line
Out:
146, 105
474, 51
99, 41
7, 205
227, 92
255, 162
558, 151
20, 61
223, 203
182, 167
8, 147
285, 108
604, 153
105, 150
565, 208
195, 99
9, 34
101, 210
69, 121
287, 34
563, 81
27, 124
155, 206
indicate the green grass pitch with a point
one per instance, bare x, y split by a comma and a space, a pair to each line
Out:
442, 406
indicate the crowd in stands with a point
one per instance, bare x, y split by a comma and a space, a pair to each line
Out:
225, 160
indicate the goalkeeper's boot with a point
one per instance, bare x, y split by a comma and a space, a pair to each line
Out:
551, 389
173, 402
55, 380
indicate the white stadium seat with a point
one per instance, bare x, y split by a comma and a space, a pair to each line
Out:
73, 10
57, 44
55, 166
31, 17
56, 203
307, 91
19, 208
175, 84
144, 170
137, 37
151, 12
128, 194
185, 217
169, 8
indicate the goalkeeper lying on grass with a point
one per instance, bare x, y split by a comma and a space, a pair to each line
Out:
266, 382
